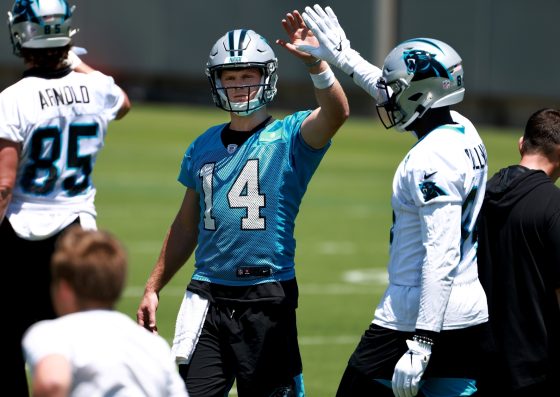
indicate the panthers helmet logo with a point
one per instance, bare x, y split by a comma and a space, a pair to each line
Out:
422, 65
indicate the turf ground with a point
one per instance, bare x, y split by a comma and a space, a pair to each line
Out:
342, 230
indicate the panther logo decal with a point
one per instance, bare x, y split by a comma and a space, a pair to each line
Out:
423, 64
430, 190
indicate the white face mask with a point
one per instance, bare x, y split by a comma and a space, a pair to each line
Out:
244, 108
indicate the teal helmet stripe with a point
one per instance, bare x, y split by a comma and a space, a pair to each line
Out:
231, 41
241, 42
29, 10
233, 48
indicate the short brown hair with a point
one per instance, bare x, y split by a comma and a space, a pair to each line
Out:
47, 58
93, 263
542, 132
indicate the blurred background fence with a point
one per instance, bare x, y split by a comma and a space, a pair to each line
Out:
157, 49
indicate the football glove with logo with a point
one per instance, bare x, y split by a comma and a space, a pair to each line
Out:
410, 368
334, 47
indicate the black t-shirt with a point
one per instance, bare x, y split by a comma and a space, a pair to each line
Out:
519, 268
238, 138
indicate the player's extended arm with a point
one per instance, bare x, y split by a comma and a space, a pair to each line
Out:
125, 107
78, 65
52, 377
333, 110
9, 158
178, 245
335, 48
323, 123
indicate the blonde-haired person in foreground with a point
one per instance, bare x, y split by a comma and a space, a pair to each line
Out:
91, 349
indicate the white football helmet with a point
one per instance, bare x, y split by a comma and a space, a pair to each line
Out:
241, 49
40, 24
419, 74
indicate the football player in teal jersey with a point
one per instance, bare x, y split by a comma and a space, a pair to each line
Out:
245, 180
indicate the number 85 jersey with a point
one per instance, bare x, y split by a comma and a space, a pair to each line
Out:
61, 121
249, 198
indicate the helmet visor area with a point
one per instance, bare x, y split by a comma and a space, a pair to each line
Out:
388, 110
242, 98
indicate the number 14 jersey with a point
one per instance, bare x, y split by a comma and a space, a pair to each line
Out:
249, 197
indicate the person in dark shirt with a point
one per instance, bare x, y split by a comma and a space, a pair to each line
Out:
519, 265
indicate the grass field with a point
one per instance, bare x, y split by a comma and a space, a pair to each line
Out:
342, 230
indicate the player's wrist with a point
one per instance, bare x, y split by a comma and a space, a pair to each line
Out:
348, 60
312, 62
324, 79
429, 337
422, 344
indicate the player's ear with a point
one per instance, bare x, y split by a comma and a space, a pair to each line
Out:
63, 296
520, 146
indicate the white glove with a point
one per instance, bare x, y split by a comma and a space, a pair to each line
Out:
410, 368
73, 60
334, 47
79, 50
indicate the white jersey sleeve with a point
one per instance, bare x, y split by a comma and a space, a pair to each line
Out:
111, 94
439, 224
367, 76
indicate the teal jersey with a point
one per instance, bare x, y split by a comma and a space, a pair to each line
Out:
249, 199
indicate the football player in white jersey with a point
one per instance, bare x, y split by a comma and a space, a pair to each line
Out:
92, 349
244, 181
52, 125
427, 328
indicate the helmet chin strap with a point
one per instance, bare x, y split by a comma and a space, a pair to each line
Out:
402, 127
247, 112
243, 108
418, 113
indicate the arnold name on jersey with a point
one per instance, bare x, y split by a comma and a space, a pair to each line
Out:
67, 95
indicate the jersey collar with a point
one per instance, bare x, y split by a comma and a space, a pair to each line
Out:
47, 73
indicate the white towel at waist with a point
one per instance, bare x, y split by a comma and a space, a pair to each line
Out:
190, 320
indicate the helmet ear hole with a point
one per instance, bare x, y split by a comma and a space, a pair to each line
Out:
415, 97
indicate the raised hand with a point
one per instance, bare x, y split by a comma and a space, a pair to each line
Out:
333, 46
299, 35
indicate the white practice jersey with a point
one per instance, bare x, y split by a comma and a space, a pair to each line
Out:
437, 193
61, 123
109, 354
